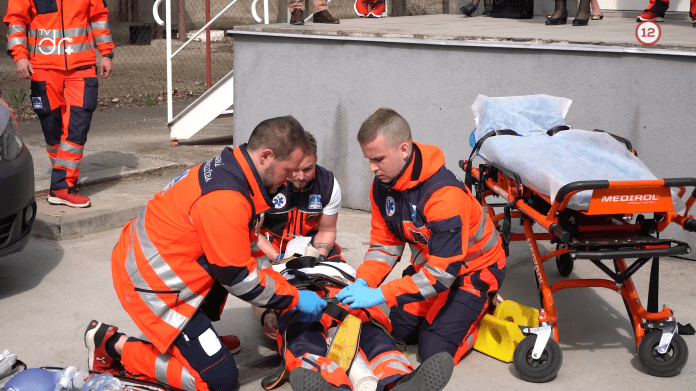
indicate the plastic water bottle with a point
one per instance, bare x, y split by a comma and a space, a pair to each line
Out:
103, 382
71, 379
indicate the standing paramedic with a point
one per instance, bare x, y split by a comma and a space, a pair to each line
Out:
53, 43
457, 261
194, 243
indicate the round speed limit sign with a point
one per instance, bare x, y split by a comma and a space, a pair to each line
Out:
648, 32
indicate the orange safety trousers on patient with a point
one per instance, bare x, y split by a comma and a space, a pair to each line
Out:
64, 102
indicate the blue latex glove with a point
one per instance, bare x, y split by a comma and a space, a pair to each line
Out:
362, 297
359, 283
310, 306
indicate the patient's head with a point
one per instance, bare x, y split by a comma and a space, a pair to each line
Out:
385, 139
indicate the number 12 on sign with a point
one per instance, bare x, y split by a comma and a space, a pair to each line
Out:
648, 33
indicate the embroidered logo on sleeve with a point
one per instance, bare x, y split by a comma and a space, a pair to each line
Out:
391, 206
314, 201
36, 101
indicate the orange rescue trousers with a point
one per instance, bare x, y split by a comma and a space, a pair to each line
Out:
64, 102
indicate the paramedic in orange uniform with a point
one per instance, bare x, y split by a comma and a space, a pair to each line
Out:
54, 44
457, 261
194, 243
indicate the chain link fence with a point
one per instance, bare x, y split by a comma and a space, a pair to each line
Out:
139, 77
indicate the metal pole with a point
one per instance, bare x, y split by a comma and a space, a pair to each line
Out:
168, 25
181, 12
265, 12
207, 45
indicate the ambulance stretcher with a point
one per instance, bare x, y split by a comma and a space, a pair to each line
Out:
596, 201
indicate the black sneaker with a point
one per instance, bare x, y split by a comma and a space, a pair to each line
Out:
468, 9
303, 379
432, 375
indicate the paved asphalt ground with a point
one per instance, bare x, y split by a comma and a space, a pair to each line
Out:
61, 280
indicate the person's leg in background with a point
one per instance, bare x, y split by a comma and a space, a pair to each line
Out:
296, 8
321, 13
655, 11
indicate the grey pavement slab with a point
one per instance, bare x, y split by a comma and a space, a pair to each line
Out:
456, 28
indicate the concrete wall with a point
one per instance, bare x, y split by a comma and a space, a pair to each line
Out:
331, 86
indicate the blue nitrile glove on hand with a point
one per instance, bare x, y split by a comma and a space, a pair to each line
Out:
360, 295
310, 306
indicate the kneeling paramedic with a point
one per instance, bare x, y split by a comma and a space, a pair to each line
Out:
359, 352
457, 260
194, 243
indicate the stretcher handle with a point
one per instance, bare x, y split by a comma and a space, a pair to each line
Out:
557, 230
680, 249
681, 182
579, 185
690, 225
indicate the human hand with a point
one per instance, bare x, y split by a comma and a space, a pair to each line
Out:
24, 68
106, 66
362, 297
270, 325
359, 283
310, 306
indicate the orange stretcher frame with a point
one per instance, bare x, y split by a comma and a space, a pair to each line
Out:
596, 234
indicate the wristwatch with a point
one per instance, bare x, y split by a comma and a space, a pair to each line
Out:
109, 55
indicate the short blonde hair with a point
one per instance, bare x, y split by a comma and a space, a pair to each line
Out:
388, 123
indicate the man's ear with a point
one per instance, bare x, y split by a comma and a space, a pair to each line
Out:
404, 150
266, 156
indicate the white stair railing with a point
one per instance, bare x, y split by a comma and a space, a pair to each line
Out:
167, 23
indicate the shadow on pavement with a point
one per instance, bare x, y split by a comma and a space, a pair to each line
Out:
25, 270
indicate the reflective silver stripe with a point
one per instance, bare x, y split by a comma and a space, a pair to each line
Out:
419, 259
382, 257
161, 365
332, 366
246, 285
16, 41
492, 242
266, 295
442, 276
470, 340
393, 250
16, 28
159, 307
66, 163
188, 382
57, 33
53, 160
103, 38
424, 286
262, 262
255, 247
478, 235
51, 149
71, 148
395, 358
100, 25
59, 49
162, 268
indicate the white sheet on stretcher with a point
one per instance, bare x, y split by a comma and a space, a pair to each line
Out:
547, 163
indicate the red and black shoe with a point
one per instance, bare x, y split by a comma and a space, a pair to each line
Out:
68, 197
377, 9
96, 335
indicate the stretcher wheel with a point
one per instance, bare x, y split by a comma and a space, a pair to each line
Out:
564, 263
664, 365
537, 371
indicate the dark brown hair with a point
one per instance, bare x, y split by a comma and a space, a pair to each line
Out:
282, 135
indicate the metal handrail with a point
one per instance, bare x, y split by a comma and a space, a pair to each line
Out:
170, 56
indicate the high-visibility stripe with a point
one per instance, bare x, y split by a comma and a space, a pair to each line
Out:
162, 268
492, 242
401, 367
386, 254
442, 276
478, 235
417, 256
67, 163
103, 38
58, 33
156, 305
100, 25
60, 49
51, 149
313, 358
250, 282
395, 358
16, 41
188, 382
16, 28
424, 287
161, 365
263, 262
70, 148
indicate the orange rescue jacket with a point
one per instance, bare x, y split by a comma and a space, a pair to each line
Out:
58, 34
198, 230
429, 208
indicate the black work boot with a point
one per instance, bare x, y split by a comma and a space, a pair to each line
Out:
432, 375
303, 379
